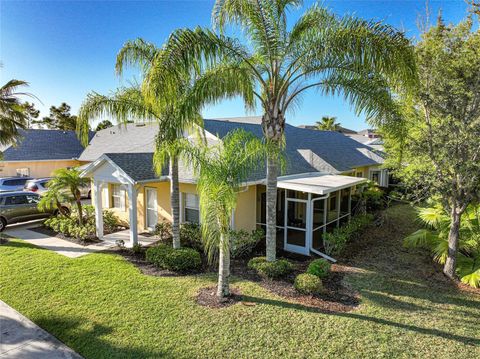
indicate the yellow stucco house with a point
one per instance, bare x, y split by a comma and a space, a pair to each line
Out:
38, 153
314, 194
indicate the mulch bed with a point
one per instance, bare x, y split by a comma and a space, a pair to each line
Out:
336, 298
49, 232
207, 297
138, 260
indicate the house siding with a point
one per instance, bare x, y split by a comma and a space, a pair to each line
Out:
37, 169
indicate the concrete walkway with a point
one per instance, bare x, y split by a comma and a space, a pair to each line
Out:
67, 248
21, 338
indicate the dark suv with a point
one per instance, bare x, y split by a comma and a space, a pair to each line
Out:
19, 207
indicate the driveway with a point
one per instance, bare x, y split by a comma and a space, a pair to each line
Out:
21, 338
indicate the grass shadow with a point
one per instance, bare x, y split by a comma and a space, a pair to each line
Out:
420, 330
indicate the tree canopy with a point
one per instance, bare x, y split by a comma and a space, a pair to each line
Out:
60, 118
435, 148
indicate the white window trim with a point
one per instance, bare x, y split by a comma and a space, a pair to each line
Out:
183, 200
121, 196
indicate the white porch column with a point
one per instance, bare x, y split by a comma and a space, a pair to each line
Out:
350, 204
97, 195
132, 209
339, 194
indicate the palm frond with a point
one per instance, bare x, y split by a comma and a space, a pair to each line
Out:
136, 53
126, 104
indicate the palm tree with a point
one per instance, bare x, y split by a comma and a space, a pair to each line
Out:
65, 186
176, 111
435, 238
12, 113
328, 123
221, 171
364, 61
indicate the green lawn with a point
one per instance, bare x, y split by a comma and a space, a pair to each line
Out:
103, 307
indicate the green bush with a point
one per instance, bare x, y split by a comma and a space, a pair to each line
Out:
243, 243
191, 236
334, 243
179, 260
69, 227
163, 230
110, 221
137, 248
307, 283
319, 267
279, 268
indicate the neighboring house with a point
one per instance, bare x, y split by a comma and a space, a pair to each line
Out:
38, 153
314, 193
369, 133
375, 143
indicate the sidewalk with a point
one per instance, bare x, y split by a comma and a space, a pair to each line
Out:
67, 248
21, 338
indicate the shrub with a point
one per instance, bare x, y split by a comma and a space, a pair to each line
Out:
335, 242
319, 267
191, 236
307, 283
277, 269
243, 243
137, 248
163, 230
110, 221
179, 260
69, 227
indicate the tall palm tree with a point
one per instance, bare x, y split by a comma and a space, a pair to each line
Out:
221, 170
65, 185
12, 114
176, 111
328, 123
364, 61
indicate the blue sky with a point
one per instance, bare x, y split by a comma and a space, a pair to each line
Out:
66, 49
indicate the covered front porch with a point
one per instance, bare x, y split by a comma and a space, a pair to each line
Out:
123, 191
308, 206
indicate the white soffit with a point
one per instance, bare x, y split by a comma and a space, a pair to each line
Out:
318, 183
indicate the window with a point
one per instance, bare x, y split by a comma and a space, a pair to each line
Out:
191, 212
15, 200
23, 172
375, 176
359, 174
32, 199
118, 197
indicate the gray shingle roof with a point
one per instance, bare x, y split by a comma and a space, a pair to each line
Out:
132, 138
306, 150
309, 150
36, 145
138, 166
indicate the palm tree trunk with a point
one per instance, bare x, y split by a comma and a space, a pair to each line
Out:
273, 125
271, 236
453, 238
175, 202
80, 212
223, 288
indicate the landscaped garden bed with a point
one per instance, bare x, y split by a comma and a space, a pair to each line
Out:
67, 227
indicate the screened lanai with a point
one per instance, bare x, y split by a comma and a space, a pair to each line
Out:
308, 206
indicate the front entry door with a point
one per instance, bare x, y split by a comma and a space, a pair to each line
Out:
296, 226
151, 208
